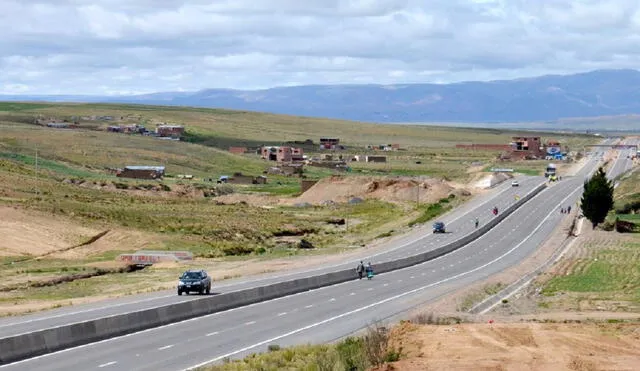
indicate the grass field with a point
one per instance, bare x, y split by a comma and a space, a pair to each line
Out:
604, 269
223, 128
73, 183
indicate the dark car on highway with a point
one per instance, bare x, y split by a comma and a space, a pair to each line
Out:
438, 227
194, 281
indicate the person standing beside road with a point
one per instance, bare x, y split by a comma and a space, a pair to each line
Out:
360, 269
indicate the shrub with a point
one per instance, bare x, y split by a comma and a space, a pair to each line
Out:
119, 185
376, 344
224, 189
237, 249
350, 353
385, 234
273, 347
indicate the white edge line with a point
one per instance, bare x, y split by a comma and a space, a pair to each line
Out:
217, 287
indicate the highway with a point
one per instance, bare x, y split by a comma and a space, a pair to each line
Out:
623, 162
331, 312
459, 223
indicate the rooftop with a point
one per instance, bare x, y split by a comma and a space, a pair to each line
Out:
137, 167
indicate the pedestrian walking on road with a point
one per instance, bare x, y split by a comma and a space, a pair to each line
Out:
477, 221
369, 270
360, 269
569, 209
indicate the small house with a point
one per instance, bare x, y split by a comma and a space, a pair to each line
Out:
141, 172
329, 143
282, 154
172, 131
375, 159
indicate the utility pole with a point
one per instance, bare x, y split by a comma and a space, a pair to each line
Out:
37, 178
418, 195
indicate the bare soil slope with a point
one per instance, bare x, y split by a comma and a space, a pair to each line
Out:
518, 346
397, 189
33, 233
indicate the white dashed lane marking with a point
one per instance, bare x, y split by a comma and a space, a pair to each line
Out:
108, 364
282, 314
212, 333
166, 347
309, 306
250, 323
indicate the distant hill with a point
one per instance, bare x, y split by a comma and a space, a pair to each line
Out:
545, 98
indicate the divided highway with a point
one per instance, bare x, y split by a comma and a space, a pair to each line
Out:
331, 312
459, 223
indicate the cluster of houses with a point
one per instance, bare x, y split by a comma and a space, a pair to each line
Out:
524, 148
384, 147
164, 131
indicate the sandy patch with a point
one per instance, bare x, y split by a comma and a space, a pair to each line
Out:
120, 240
390, 189
517, 347
30, 232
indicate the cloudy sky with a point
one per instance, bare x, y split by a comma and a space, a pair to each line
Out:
139, 46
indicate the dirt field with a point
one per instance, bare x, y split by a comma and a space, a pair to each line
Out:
36, 233
516, 346
396, 189
341, 189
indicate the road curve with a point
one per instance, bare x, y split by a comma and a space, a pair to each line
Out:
459, 223
328, 313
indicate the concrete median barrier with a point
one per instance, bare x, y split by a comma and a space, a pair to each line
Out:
18, 347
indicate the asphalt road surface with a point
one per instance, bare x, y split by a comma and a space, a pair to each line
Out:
458, 224
328, 313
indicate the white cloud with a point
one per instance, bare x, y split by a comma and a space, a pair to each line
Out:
115, 46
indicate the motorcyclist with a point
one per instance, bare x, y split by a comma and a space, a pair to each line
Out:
495, 210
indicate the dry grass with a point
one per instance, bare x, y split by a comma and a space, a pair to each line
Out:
183, 218
245, 127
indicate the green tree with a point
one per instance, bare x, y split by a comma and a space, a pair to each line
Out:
597, 198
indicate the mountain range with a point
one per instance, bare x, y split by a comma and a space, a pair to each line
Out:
544, 98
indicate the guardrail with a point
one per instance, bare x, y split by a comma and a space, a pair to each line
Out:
18, 347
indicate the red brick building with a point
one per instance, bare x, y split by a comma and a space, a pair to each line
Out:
282, 154
527, 147
174, 131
